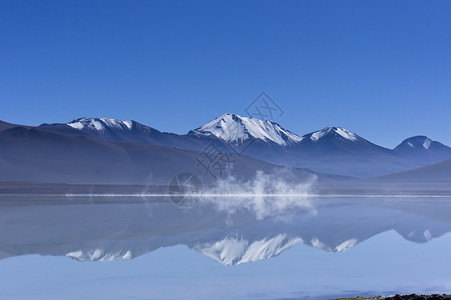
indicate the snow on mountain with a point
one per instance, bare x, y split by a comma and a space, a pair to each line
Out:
418, 142
237, 129
333, 131
100, 124
108, 129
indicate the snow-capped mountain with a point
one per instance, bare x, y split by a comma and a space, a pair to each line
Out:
333, 150
333, 132
418, 142
114, 130
337, 150
336, 141
105, 129
100, 124
233, 128
422, 147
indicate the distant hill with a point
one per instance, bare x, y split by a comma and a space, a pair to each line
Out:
437, 173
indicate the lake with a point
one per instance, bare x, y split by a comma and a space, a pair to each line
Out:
275, 247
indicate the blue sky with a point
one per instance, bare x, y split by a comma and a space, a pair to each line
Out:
379, 68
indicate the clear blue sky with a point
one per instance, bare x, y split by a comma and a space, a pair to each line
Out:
379, 68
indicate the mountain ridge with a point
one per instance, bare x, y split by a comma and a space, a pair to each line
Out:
332, 150
61, 158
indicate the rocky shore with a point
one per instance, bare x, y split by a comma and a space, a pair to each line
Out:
419, 297
404, 297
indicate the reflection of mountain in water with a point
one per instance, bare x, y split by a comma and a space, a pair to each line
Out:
106, 232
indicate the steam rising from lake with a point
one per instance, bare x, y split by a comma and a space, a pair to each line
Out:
264, 194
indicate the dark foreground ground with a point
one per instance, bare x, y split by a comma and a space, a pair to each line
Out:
419, 297
404, 297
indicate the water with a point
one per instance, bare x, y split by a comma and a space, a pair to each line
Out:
223, 247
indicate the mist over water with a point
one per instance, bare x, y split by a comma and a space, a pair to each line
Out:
264, 194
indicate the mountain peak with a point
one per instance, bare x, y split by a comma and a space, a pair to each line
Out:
422, 147
418, 142
237, 129
333, 131
100, 124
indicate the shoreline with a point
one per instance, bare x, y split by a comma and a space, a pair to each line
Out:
403, 297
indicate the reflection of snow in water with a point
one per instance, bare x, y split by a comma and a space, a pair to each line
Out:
235, 250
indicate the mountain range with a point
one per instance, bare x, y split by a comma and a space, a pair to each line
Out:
104, 150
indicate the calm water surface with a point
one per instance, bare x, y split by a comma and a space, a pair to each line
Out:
223, 248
